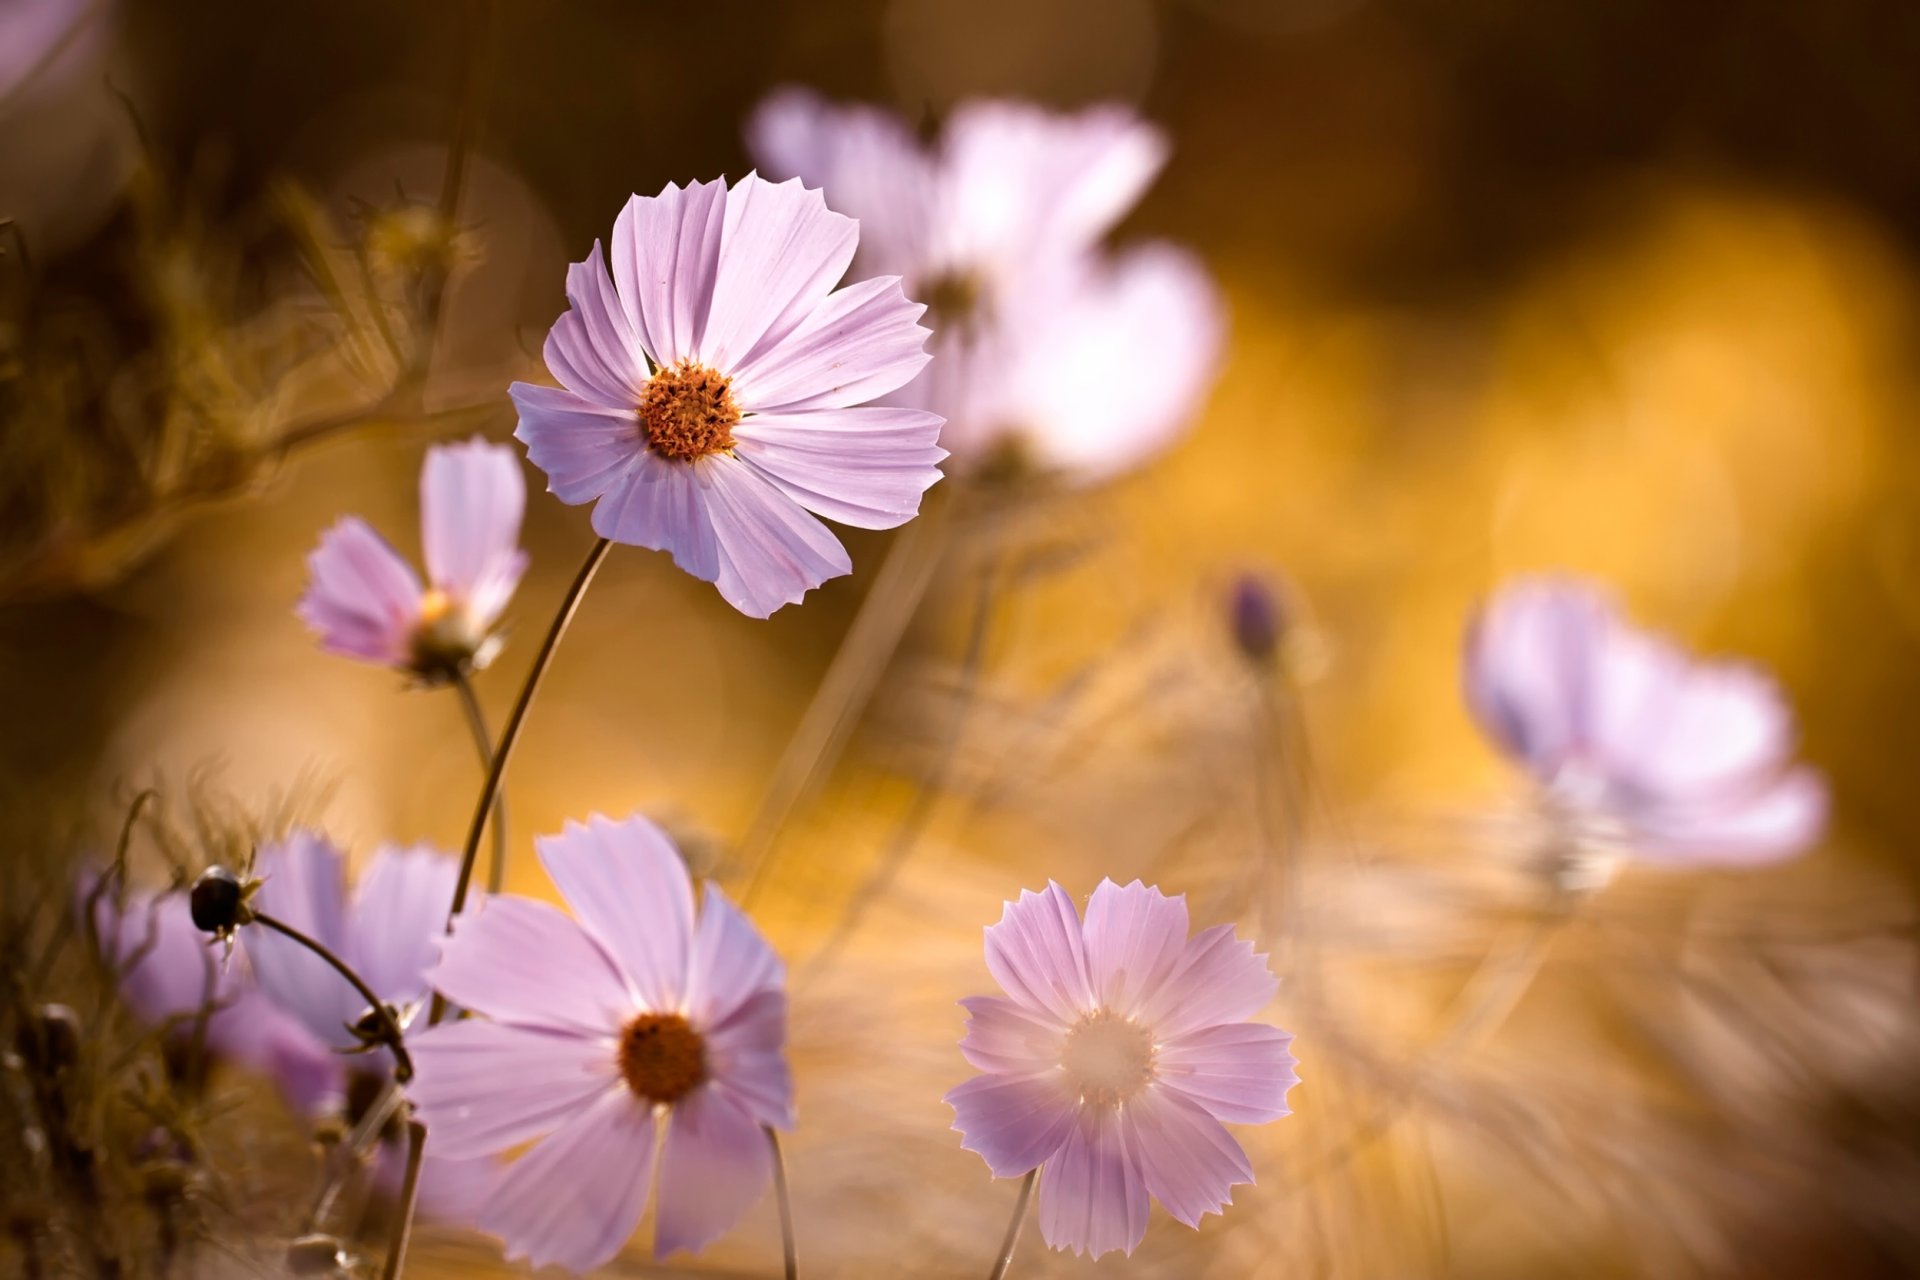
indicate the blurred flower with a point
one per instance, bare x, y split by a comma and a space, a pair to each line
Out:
366, 602
602, 1033
46, 40
1122, 1050
1044, 347
714, 390
1639, 748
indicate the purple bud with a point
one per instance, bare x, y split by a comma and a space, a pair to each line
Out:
217, 901
1257, 618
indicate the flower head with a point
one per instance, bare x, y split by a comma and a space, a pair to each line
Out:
1639, 748
628, 1027
713, 390
365, 600
1076, 362
1112, 1062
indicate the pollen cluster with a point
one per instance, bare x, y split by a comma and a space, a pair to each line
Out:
687, 411
662, 1058
1108, 1058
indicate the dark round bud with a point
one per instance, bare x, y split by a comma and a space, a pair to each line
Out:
49, 1042
217, 901
318, 1255
1256, 616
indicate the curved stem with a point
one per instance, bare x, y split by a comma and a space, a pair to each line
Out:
483, 742
409, 1196
1004, 1258
389, 1027
789, 1251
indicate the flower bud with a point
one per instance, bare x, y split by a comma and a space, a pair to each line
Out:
218, 901
1257, 618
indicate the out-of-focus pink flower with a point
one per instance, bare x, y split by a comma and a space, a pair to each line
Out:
386, 932
1639, 748
1078, 363
1118, 1052
632, 1028
365, 600
714, 390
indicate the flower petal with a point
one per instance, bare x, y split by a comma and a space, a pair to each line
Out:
1189, 1162
1239, 1072
1004, 1037
592, 348
628, 886
666, 252
485, 1087
576, 1198
303, 885
1219, 979
399, 914
1013, 1122
1529, 658
527, 963
731, 962
362, 599
781, 252
715, 1164
1134, 937
1715, 725
663, 505
1093, 1198
1766, 823
866, 467
584, 449
1037, 954
471, 499
771, 552
747, 1056
862, 342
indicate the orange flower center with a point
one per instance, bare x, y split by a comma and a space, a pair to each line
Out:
662, 1058
687, 411
1108, 1058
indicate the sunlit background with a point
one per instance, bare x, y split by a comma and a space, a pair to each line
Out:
1622, 288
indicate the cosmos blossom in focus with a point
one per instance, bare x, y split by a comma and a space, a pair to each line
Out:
714, 390
1115, 1060
1048, 351
386, 931
365, 601
1638, 747
629, 1030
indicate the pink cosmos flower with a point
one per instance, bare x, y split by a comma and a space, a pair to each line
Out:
365, 600
1077, 362
630, 1028
714, 390
1639, 748
387, 932
1118, 1052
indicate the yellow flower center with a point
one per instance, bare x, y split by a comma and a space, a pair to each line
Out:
687, 411
1108, 1058
662, 1058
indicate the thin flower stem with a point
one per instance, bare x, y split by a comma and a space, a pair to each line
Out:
409, 1197
789, 1251
483, 742
1004, 1259
389, 1027
497, 770
842, 694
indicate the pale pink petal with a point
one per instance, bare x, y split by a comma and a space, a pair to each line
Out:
165, 964
1530, 656
1719, 725
471, 499
1218, 979
1239, 1072
866, 467
731, 962
662, 505
1013, 1122
1633, 680
524, 962
1037, 955
1753, 826
576, 1197
584, 449
747, 1056
666, 253
303, 884
259, 1034
771, 552
1189, 1163
1005, 1037
1134, 938
781, 252
1093, 1198
451, 1191
714, 1165
593, 348
362, 598
862, 342
628, 886
486, 1087
399, 914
